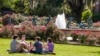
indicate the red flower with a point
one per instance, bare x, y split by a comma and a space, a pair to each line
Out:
43, 28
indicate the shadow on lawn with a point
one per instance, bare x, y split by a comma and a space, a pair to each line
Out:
29, 53
22, 53
98, 52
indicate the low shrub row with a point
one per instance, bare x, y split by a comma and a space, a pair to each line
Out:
31, 31
89, 39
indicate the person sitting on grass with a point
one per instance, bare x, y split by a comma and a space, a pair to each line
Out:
23, 41
50, 45
32, 48
15, 46
44, 47
38, 46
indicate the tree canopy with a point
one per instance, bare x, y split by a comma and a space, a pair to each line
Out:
48, 7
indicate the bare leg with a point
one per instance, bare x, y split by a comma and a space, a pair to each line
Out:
20, 48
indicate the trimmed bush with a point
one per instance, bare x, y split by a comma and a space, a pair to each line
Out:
86, 14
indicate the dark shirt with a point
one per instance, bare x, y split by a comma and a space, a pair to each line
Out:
7, 21
38, 47
48, 19
34, 21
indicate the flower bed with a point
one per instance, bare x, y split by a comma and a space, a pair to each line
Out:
89, 37
32, 31
97, 24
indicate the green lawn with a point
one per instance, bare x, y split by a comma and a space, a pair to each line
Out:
60, 49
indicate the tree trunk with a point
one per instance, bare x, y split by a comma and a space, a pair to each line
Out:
97, 6
77, 8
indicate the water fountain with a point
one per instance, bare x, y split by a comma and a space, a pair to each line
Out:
60, 21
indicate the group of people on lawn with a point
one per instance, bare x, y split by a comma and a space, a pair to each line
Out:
39, 47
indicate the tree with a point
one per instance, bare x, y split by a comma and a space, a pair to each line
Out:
11, 4
76, 7
5, 3
96, 11
97, 6
89, 3
48, 7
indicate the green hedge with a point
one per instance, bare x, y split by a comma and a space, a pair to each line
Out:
96, 17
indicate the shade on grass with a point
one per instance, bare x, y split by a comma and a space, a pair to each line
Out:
60, 49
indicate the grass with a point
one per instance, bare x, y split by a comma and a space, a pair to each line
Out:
60, 50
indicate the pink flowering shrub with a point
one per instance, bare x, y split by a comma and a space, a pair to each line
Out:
82, 38
81, 35
43, 31
53, 32
97, 24
31, 31
74, 35
7, 31
27, 29
91, 40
